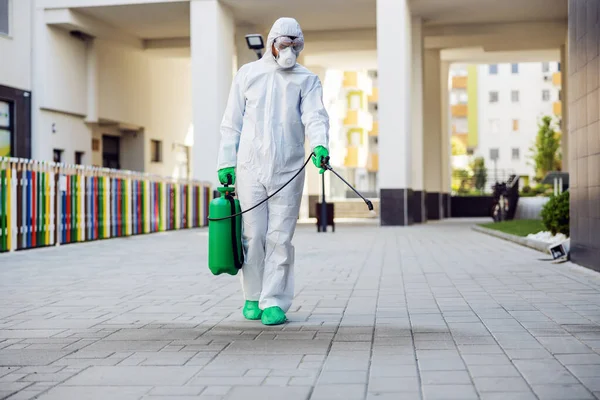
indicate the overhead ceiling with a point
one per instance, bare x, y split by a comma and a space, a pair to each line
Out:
146, 21
172, 19
440, 12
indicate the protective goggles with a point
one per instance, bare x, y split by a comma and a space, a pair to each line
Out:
283, 42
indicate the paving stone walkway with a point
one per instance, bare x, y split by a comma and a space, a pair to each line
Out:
434, 312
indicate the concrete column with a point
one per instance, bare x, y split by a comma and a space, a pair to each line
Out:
41, 136
446, 146
419, 210
394, 80
212, 46
432, 133
564, 72
92, 81
243, 54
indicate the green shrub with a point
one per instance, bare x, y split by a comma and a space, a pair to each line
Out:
555, 214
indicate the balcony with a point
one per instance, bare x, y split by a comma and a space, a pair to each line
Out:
557, 108
459, 82
557, 79
375, 130
358, 119
374, 97
357, 81
373, 162
350, 79
460, 111
351, 160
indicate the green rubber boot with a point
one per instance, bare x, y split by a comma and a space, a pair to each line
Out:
251, 310
273, 316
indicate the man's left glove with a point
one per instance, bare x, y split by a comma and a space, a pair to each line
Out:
224, 175
321, 153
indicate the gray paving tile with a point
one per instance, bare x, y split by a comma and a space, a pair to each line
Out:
562, 392
96, 392
367, 329
445, 378
341, 392
133, 376
449, 392
501, 384
29, 357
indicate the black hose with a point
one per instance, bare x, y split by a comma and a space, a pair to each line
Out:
268, 197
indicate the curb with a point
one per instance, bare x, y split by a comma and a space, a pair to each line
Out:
532, 244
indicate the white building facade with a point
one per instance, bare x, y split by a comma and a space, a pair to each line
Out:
512, 99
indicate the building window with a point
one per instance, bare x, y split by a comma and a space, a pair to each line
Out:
545, 67
558, 67
6, 129
516, 154
79, 157
156, 150
495, 126
545, 95
514, 68
514, 96
493, 97
4, 17
515, 125
493, 69
494, 154
463, 98
57, 155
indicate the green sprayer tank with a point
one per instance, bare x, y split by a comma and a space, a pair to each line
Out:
225, 254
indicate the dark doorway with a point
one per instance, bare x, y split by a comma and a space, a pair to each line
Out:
15, 122
111, 152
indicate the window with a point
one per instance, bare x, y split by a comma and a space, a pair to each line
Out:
57, 155
514, 68
79, 157
516, 154
495, 126
545, 95
156, 150
493, 69
6, 129
558, 67
514, 96
545, 67
493, 97
494, 154
463, 98
4, 17
515, 125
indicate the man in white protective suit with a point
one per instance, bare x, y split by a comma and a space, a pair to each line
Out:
274, 102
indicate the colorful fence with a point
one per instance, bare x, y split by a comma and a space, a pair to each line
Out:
47, 204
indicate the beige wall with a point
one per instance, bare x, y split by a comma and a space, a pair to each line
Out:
135, 91
17, 48
68, 133
64, 73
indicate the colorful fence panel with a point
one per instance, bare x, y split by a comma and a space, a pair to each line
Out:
48, 204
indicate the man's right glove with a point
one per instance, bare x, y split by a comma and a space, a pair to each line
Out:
321, 153
224, 176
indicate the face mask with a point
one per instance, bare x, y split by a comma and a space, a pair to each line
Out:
286, 58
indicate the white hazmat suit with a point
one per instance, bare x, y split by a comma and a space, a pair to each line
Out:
269, 111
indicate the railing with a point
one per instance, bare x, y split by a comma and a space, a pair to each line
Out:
48, 204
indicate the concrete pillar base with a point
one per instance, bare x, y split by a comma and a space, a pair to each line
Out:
434, 205
446, 205
396, 207
418, 207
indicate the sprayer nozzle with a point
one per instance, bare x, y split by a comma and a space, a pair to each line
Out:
370, 205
